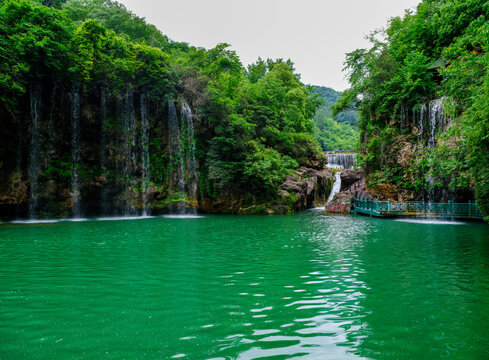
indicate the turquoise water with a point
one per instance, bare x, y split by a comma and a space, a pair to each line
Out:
307, 286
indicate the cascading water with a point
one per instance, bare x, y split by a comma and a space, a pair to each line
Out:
341, 160
403, 118
433, 116
144, 142
75, 151
104, 142
421, 120
177, 183
190, 142
51, 150
129, 155
336, 186
34, 148
436, 119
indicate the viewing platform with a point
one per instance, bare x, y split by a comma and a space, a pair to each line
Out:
418, 209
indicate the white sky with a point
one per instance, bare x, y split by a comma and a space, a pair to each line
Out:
314, 34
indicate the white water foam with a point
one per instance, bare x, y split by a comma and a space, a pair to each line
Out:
336, 187
119, 218
319, 208
47, 221
431, 221
182, 216
35, 221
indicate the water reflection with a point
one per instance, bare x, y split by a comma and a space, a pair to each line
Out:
306, 286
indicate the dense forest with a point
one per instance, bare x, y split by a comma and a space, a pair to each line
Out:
334, 133
421, 91
100, 110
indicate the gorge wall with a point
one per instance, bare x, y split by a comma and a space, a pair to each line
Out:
95, 153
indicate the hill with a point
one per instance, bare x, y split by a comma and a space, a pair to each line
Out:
338, 132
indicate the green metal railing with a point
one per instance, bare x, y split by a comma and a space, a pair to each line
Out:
418, 208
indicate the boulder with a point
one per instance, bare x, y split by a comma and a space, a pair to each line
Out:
310, 188
350, 177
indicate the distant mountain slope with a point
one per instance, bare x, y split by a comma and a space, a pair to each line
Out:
330, 97
334, 133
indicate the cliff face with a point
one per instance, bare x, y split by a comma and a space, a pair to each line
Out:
76, 153
88, 153
418, 156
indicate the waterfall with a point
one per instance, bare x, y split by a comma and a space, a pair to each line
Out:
103, 149
190, 143
177, 183
421, 120
336, 186
51, 150
403, 118
129, 155
431, 122
436, 118
144, 152
341, 160
34, 147
75, 150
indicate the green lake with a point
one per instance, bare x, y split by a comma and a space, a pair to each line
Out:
305, 286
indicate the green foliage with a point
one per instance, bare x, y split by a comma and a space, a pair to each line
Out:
477, 132
334, 133
266, 168
113, 15
255, 124
260, 123
33, 40
60, 169
439, 50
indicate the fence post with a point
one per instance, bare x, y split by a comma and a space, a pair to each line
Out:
377, 206
389, 205
422, 207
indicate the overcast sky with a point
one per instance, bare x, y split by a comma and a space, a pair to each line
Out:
314, 34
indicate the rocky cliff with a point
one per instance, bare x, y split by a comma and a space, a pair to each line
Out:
305, 189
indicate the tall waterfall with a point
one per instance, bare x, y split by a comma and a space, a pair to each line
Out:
75, 151
177, 183
144, 142
436, 119
104, 142
421, 120
51, 128
431, 121
183, 175
129, 155
190, 143
341, 160
35, 147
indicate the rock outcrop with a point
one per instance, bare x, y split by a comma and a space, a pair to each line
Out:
304, 189
310, 187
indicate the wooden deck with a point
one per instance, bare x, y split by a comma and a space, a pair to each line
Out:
418, 209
